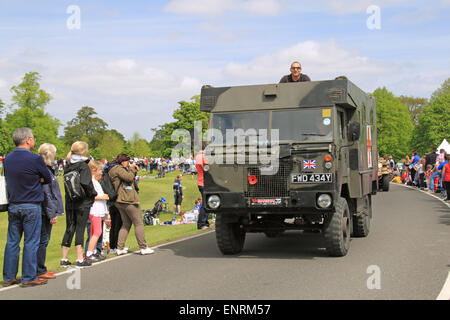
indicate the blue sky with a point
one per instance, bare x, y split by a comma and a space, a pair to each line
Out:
133, 61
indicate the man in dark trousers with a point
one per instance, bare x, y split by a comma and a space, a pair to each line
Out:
25, 172
200, 161
296, 75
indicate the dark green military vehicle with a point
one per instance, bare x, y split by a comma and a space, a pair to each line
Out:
291, 156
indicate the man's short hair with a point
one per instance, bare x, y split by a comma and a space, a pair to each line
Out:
20, 135
296, 62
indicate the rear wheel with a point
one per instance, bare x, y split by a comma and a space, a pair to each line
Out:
361, 224
337, 231
230, 237
385, 183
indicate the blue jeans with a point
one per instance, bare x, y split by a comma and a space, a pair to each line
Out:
46, 231
433, 176
22, 218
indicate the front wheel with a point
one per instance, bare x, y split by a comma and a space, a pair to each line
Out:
361, 224
230, 237
337, 230
385, 183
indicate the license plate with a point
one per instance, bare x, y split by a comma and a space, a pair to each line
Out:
312, 178
265, 202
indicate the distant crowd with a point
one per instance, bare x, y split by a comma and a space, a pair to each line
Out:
430, 172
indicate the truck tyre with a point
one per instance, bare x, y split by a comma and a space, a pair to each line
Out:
230, 237
337, 230
361, 224
385, 183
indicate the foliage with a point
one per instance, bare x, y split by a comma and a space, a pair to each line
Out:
30, 102
394, 125
109, 147
28, 93
186, 115
434, 122
85, 127
415, 106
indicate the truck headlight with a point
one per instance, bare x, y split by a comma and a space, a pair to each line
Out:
324, 201
213, 201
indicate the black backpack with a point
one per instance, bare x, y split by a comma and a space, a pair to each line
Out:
72, 185
108, 187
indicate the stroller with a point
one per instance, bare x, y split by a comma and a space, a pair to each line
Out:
151, 214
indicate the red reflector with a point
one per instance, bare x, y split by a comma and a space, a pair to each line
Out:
252, 179
327, 158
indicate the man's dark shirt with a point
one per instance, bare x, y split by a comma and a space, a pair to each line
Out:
23, 171
288, 78
430, 159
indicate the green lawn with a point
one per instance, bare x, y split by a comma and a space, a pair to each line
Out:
150, 191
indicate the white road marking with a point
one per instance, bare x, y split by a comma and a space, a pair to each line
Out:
69, 269
445, 292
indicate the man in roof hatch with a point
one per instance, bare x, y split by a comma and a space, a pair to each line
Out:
296, 75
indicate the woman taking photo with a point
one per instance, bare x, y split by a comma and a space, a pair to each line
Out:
123, 177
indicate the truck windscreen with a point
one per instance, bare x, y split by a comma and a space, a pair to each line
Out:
245, 121
303, 124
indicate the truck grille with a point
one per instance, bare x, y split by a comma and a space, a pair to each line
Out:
269, 185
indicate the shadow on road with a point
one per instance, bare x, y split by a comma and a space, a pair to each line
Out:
289, 245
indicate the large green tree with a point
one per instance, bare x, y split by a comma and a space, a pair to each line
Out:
111, 144
28, 110
394, 125
434, 122
415, 106
186, 114
85, 127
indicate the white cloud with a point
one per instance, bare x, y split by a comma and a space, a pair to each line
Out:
320, 60
122, 65
216, 7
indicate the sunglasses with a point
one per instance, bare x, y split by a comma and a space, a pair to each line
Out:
298, 68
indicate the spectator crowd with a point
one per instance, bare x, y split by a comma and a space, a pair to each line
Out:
101, 198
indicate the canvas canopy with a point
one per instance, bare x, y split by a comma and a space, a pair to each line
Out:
444, 145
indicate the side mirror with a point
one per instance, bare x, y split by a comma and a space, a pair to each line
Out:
354, 131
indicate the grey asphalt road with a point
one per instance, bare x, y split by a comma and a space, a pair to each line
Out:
409, 243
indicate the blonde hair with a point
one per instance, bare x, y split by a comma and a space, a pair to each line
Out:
47, 151
78, 147
94, 165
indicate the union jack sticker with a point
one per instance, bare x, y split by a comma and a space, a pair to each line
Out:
309, 164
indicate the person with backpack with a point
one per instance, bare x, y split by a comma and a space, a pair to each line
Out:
123, 176
80, 195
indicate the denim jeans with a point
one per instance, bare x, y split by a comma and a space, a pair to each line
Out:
432, 178
22, 218
46, 231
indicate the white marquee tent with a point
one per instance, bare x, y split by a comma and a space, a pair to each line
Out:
444, 145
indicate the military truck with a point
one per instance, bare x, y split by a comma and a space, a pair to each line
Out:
325, 170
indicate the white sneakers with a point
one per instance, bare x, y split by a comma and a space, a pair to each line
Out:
121, 252
142, 251
147, 251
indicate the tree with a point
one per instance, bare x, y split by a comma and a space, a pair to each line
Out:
186, 115
28, 93
394, 125
415, 106
109, 147
85, 127
434, 122
141, 148
30, 102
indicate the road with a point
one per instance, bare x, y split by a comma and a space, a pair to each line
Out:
408, 244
